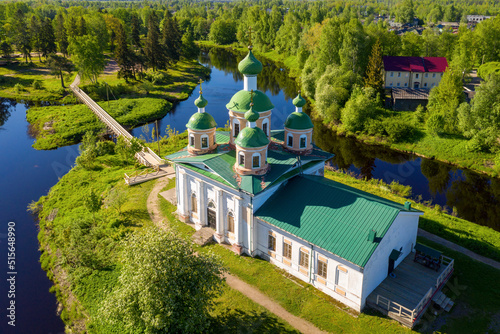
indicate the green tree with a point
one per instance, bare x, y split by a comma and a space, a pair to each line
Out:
288, 36
405, 12
93, 203
6, 49
87, 55
22, 37
411, 45
135, 31
488, 43
223, 32
153, 49
36, 35
189, 49
361, 107
58, 65
354, 51
446, 97
375, 73
163, 286
61, 35
48, 39
171, 38
124, 56
464, 52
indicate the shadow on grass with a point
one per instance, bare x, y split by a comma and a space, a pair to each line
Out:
238, 321
134, 215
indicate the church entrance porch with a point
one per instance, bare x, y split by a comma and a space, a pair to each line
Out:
211, 216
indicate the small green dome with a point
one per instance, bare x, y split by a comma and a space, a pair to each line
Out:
299, 101
240, 102
200, 102
250, 65
251, 137
201, 121
298, 121
251, 115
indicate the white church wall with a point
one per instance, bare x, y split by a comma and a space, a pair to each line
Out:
349, 292
401, 234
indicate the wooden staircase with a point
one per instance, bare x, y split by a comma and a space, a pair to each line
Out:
444, 302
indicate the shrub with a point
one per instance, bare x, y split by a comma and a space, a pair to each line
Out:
37, 84
435, 123
105, 147
375, 127
361, 107
398, 130
19, 88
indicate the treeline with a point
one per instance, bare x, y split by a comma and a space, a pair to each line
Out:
137, 39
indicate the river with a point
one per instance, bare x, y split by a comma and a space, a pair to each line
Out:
26, 174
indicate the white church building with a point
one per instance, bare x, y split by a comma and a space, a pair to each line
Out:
263, 192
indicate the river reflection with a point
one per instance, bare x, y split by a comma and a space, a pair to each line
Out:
474, 197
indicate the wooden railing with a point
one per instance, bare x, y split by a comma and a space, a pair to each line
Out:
395, 308
448, 262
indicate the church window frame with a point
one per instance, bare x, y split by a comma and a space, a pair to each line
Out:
303, 141
303, 258
287, 250
191, 140
230, 222
194, 203
241, 159
236, 127
204, 141
265, 126
256, 160
322, 268
289, 141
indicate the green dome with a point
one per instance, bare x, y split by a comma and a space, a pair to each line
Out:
251, 137
299, 101
298, 121
201, 121
250, 65
200, 102
240, 102
251, 115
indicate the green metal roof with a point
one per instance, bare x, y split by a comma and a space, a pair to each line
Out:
251, 137
240, 102
330, 215
250, 65
200, 102
251, 115
222, 160
298, 121
299, 101
201, 121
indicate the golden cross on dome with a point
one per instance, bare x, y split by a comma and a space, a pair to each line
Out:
201, 81
250, 38
251, 98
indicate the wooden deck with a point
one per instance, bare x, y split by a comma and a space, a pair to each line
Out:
406, 296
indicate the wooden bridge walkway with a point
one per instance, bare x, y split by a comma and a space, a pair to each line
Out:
146, 156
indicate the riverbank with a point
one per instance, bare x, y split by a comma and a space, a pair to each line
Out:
450, 149
132, 104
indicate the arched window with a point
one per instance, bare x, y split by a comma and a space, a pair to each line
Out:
290, 140
256, 160
303, 141
194, 203
191, 140
236, 128
241, 159
265, 126
204, 141
230, 222
211, 205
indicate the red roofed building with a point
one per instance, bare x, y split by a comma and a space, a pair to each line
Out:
413, 72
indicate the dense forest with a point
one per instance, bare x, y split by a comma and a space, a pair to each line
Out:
337, 45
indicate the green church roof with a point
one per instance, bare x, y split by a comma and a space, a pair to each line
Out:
201, 121
200, 102
332, 216
299, 101
250, 65
298, 121
251, 115
251, 137
240, 102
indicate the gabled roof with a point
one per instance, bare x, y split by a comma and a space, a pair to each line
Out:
332, 216
218, 165
415, 64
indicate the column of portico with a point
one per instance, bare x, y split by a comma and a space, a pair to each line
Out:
219, 234
201, 208
238, 226
182, 199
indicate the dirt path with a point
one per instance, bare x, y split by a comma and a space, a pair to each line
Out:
111, 67
458, 248
234, 282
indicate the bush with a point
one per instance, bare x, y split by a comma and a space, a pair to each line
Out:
156, 77
37, 84
19, 88
398, 130
361, 107
375, 127
435, 123
105, 147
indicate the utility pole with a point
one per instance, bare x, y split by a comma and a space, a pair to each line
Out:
157, 137
107, 92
